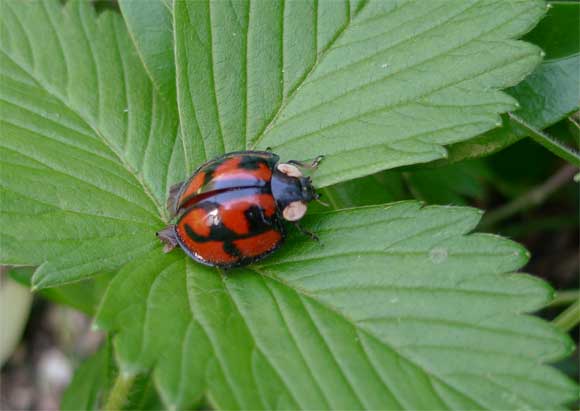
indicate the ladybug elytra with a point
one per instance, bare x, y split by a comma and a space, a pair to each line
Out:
231, 211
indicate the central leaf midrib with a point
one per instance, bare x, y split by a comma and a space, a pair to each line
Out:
48, 89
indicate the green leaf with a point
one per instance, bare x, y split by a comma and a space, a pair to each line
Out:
143, 395
449, 185
551, 92
480, 146
83, 295
93, 380
150, 24
557, 33
548, 95
372, 85
88, 149
396, 308
90, 383
380, 188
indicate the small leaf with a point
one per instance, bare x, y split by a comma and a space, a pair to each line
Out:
372, 85
480, 146
551, 92
93, 380
380, 188
396, 308
449, 185
90, 383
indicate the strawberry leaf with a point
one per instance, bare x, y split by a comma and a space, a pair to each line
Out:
396, 308
88, 148
370, 84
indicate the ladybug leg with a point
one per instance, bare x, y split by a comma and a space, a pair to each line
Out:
167, 236
316, 162
314, 165
307, 233
172, 199
318, 200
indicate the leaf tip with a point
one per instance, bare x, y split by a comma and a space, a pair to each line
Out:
38, 280
522, 254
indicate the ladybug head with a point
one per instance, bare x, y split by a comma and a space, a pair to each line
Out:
308, 191
292, 191
296, 209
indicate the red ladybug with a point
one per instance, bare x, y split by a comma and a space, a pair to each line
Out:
230, 212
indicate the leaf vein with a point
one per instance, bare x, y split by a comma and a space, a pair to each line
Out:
402, 103
213, 82
304, 293
60, 98
257, 346
339, 366
202, 320
73, 177
295, 342
291, 93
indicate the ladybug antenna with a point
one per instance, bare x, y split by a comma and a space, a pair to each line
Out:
318, 200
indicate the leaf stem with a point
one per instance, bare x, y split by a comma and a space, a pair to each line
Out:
569, 318
565, 298
548, 142
120, 392
532, 198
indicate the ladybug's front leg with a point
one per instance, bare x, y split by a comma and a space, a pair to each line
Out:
307, 233
314, 165
167, 236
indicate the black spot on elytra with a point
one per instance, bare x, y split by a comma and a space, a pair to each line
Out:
232, 250
257, 220
251, 163
258, 223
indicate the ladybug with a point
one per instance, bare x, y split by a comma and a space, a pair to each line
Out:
231, 212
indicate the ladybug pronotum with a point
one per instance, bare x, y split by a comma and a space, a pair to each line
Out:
231, 211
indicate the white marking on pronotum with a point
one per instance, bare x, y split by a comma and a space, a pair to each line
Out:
294, 211
289, 169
